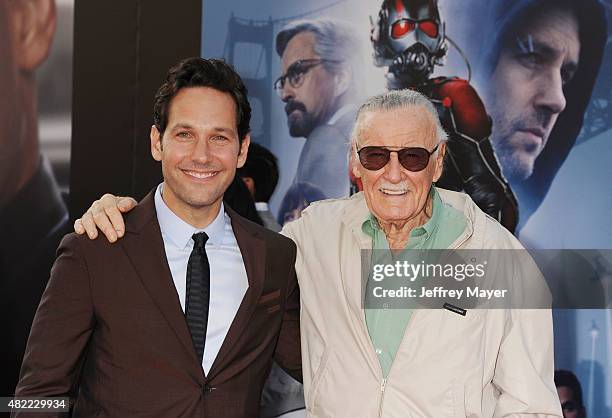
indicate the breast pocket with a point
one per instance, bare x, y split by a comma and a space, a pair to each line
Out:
270, 302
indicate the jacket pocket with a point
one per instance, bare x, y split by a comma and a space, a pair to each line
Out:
316, 382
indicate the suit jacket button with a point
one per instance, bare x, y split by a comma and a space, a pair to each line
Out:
208, 388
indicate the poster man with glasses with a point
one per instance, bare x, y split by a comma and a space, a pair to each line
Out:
320, 86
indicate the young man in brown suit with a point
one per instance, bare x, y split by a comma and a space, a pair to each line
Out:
184, 315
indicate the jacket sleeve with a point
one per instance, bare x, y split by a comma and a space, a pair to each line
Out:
288, 350
61, 329
524, 370
524, 373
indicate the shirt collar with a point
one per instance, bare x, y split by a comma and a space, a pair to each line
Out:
179, 232
370, 224
339, 113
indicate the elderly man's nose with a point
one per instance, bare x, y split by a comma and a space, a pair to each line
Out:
393, 169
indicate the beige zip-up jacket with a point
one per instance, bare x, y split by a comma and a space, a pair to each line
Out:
489, 363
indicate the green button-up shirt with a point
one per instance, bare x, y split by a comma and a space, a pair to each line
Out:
386, 327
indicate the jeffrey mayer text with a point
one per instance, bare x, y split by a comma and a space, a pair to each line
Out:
439, 292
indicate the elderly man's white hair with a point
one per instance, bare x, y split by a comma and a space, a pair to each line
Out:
391, 100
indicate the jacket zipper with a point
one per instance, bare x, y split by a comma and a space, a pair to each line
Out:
383, 383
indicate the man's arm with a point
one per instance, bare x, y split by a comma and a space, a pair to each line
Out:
61, 329
288, 350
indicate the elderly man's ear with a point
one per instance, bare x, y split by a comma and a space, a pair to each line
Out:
33, 25
354, 165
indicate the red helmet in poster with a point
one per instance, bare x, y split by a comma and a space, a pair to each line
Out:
408, 37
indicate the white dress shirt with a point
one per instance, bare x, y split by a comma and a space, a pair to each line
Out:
228, 277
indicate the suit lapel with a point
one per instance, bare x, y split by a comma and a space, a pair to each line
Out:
253, 249
144, 247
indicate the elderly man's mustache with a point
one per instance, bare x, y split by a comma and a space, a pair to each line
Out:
294, 105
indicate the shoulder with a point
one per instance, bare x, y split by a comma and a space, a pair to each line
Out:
329, 209
81, 247
322, 217
271, 238
468, 109
494, 235
487, 233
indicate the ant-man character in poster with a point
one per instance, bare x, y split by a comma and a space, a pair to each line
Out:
409, 39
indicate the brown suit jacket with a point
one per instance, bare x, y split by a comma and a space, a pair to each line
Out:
110, 331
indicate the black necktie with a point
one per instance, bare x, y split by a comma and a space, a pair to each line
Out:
198, 293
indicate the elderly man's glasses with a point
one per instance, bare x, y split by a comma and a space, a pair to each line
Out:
296, 72
411, 158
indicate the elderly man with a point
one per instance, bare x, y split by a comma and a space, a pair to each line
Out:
320, 86
395, 363
537, 71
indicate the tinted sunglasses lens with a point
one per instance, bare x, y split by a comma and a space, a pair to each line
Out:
373, 158
413, 159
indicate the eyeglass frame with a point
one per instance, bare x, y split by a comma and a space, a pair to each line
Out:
279, 83
397, 151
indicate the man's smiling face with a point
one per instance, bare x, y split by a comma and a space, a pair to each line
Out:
200, 149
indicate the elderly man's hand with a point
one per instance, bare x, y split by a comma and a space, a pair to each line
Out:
105, 214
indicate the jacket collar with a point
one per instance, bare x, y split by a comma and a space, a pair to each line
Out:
144, 246
357, 211
253, 249
354, 214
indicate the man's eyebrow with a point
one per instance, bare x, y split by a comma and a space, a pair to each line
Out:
222, 129
181, 126
527, 45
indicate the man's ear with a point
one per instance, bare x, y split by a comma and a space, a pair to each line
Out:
156, 144
342, 81
244, 150
355, 165
440, 160
33, 28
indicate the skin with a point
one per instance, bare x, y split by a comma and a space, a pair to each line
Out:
525, 95
315, 100
397, 214
26, 33
566, 394
199, 152
398, 198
